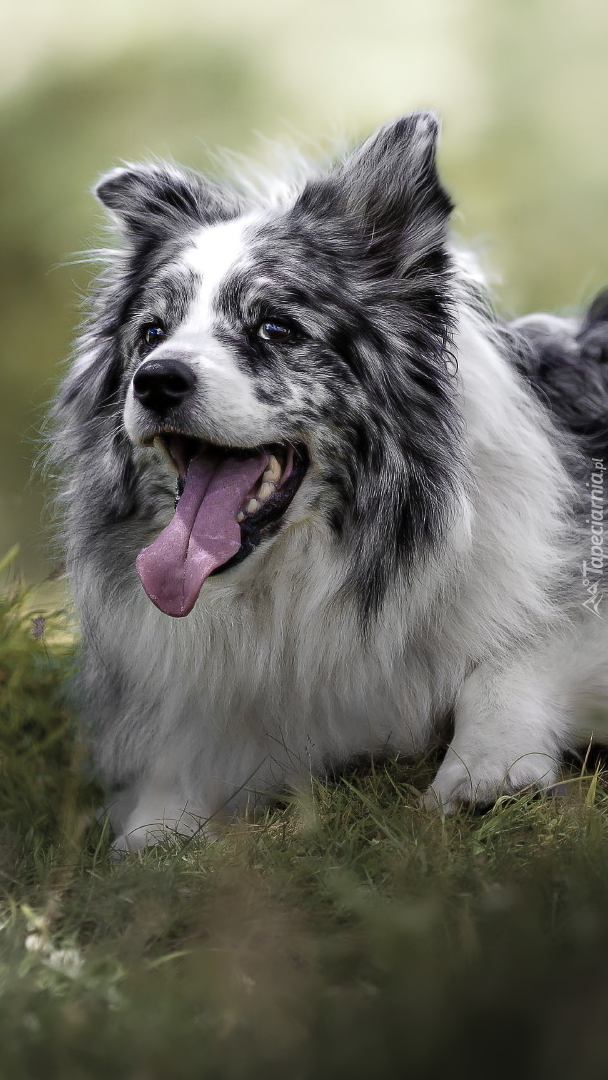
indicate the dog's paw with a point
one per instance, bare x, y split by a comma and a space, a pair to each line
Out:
172, 830
136, 840
119, 848
480, 782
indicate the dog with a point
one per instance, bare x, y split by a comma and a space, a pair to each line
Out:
318, 501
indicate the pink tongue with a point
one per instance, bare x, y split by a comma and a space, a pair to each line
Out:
204, 532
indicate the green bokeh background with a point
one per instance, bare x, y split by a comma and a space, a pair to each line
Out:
522, 86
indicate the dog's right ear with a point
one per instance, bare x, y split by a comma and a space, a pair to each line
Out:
159, 200
393, 189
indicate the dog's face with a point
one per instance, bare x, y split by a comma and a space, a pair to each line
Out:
279, 362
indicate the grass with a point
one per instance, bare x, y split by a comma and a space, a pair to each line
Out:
347, 934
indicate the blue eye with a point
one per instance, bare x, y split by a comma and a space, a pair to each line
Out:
273, 331
152, 336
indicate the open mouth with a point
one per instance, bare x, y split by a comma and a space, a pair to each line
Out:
227, 501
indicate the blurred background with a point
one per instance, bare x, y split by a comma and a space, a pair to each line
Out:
522, 86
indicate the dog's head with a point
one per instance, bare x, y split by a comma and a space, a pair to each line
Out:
279, 361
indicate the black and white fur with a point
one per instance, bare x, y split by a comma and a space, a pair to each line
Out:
428, 569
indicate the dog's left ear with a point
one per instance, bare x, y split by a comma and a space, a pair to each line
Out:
158, 200
392, 186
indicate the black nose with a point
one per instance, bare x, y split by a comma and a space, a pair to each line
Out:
162, 384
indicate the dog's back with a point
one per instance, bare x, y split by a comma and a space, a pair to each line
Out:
566, 362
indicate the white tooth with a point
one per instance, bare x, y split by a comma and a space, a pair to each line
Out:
265, 490
240, 516
252, 506
273, 469
160, 445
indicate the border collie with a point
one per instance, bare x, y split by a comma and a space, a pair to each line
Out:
319, 502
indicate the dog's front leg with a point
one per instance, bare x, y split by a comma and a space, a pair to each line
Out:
508, 735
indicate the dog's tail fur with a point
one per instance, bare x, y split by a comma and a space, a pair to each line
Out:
566, 363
